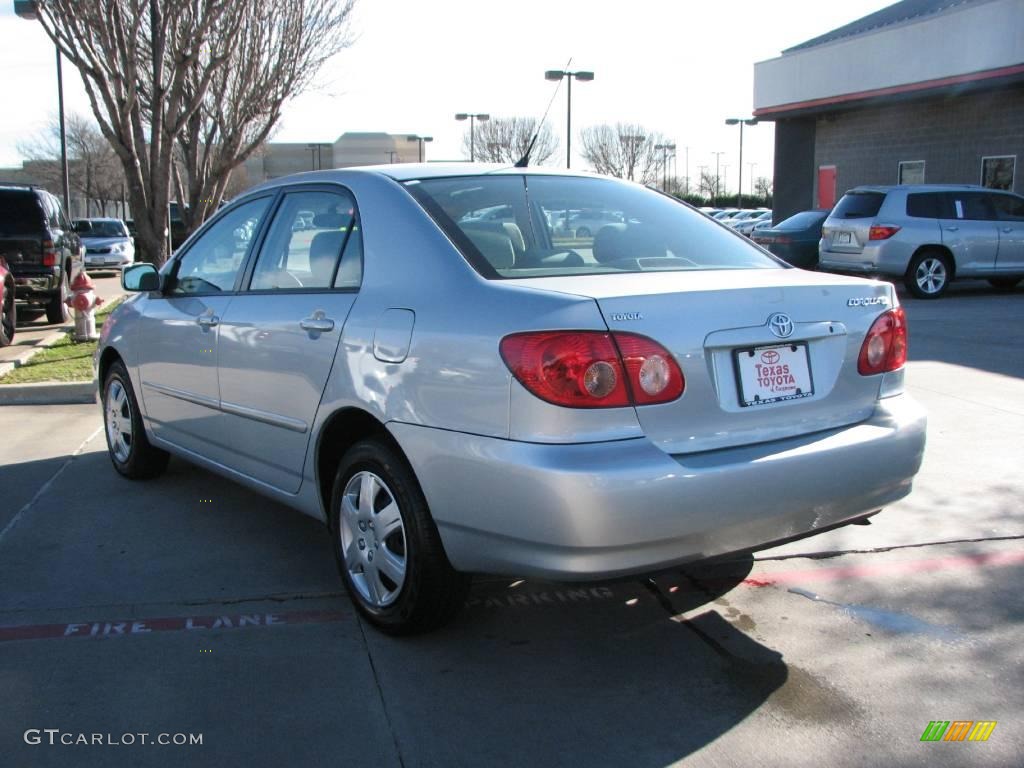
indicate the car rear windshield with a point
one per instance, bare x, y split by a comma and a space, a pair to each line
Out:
540, 233
105, 229
20, 212
802, 220
858, 205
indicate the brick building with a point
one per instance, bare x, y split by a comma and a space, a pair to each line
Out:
925, 91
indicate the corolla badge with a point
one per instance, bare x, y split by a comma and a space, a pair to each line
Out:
868, 301
781, 325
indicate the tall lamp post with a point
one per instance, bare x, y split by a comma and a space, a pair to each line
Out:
740, 121
26, 9
556, 75
714, 196
665, 149
421, 140
482, 117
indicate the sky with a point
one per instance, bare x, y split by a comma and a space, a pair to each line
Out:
677, 67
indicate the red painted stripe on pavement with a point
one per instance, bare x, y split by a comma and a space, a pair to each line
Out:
135, 627
884, 569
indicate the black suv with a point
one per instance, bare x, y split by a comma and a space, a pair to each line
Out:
41, 248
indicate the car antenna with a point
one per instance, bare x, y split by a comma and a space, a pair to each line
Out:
525, 159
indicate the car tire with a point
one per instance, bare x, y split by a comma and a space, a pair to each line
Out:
1004, 283
8, 316
582, 232
129, 448
378, 511
57, 312
929, 274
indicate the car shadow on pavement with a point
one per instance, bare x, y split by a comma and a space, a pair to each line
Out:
637, 672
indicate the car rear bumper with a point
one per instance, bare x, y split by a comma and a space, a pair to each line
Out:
36, 287
885, 257
586, 511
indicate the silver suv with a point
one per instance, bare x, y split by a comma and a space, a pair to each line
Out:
928, 234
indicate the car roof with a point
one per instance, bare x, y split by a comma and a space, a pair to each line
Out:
97, 218
401, 172
917, 188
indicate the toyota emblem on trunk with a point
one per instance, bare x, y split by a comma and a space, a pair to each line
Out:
781, 325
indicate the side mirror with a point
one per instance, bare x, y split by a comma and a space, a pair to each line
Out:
140, 278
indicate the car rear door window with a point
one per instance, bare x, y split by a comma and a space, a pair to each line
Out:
858, 205
302, 253
212, 263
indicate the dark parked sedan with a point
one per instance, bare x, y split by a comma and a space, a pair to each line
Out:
794, 240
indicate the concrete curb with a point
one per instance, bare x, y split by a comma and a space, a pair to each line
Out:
48, 393
29, 352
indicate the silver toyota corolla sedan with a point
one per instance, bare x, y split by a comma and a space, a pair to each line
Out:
453, 394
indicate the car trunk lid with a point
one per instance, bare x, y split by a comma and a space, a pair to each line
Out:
717, 326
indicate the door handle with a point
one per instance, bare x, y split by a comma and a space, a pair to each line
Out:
952, 229
208, 321
1007, 229
318, 322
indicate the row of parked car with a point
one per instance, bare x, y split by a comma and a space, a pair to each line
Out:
926, 235
42, 251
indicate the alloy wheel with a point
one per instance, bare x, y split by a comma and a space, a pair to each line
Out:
931, 275
119, 421
373, 539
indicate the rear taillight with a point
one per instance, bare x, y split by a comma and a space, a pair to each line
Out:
882, 232
783, 239
593, 369
49, 254
885, 347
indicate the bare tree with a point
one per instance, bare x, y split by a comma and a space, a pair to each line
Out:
279, 49
763, 187
506, 139
94, 171
625, 150
136, 59
708, 185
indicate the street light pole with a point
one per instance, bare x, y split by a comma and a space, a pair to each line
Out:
714, 196
482, 117
421, 140
558, 74
741, 121
665, 149
27, 9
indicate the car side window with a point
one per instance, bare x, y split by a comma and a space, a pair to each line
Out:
304, 245
212, 263
1009, 207
976, 206
930, 205
50, 207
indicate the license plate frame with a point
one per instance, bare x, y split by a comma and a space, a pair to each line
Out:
792, 360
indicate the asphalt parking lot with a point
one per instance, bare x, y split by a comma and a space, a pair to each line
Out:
191, 606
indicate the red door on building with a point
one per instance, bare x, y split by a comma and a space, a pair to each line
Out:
826, 186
